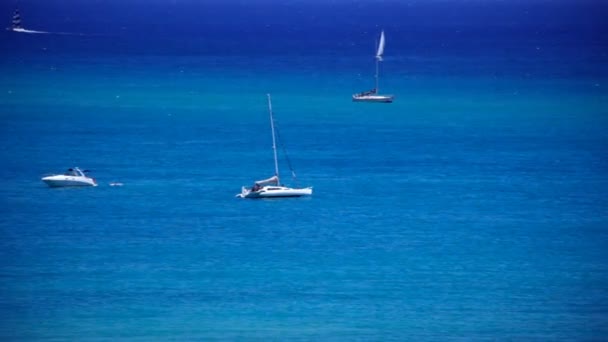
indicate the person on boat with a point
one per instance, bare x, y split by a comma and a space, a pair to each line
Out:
256, 187
367, 93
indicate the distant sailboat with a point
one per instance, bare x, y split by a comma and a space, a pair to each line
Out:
17, 20
373, 95
16, 25
271, 187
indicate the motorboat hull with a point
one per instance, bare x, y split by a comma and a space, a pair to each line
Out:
274, 192
373, 98
59, 181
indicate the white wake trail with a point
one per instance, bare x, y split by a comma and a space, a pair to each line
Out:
22, 30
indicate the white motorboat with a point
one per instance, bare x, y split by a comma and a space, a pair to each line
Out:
72, 177
272, 187
373, 95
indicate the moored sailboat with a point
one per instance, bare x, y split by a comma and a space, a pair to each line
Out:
272, 187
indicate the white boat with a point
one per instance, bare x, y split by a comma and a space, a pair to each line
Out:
373, 95
72, 177
272, 187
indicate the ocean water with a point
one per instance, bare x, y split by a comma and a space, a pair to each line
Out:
472, 208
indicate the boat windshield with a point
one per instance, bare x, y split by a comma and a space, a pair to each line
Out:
73, 172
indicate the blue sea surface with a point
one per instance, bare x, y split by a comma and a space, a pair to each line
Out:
474, 207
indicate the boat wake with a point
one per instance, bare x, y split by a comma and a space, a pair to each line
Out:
22, 30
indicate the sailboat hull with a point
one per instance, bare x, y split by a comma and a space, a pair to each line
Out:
373, 98
274, 192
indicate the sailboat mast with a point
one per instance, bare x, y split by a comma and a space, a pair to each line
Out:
377, 73
274, 144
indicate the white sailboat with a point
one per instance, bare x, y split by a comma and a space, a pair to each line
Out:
272, 187
373, 95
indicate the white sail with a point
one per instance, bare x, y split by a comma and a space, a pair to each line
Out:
274, 180
380, 51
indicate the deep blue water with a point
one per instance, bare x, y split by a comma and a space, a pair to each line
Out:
472, 208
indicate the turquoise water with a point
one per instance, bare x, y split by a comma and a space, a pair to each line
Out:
471, 208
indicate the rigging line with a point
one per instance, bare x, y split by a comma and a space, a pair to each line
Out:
293, 174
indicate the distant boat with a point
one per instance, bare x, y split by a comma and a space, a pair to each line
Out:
373, 95
272, 187
17, 27
16, 24
72, 177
